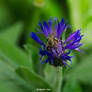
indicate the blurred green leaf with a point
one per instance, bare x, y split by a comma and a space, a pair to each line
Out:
87, 35
14, 53
33, 53
82, 71
52, 9
32, 25
12, 33
20, 8
32, 78
86, 87
72, 86
10, 82
75, 13
80, 13
6, 17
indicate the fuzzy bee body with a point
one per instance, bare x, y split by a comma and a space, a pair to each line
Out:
52, 41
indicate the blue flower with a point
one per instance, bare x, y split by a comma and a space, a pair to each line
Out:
56, 50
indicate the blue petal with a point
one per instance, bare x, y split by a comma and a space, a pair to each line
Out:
62, 21
50, 26
41, 26
61, 27
58, 30
52, 61
42, 52
45, 28
76, 46
36, 38
66, 57
64, 62
45, 24
73, 35
47, 60
75, 40
68, 52
41, 59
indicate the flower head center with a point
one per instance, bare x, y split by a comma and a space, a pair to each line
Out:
54, 45
52, 41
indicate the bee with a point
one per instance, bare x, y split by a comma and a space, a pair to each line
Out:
52, 42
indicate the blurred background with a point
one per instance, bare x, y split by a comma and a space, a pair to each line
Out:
20, 69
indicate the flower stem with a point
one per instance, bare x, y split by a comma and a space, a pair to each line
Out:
58, 80
53, 75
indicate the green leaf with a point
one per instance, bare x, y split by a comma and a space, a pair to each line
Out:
12, 33
33, 25
20, 8
32, 78
52, 9
82, 72
80, 13
6, 17
14, 53
33, 53
87, 35
10, 82
75, 13
72, 86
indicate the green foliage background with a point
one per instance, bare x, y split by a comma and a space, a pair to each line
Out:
20, 69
